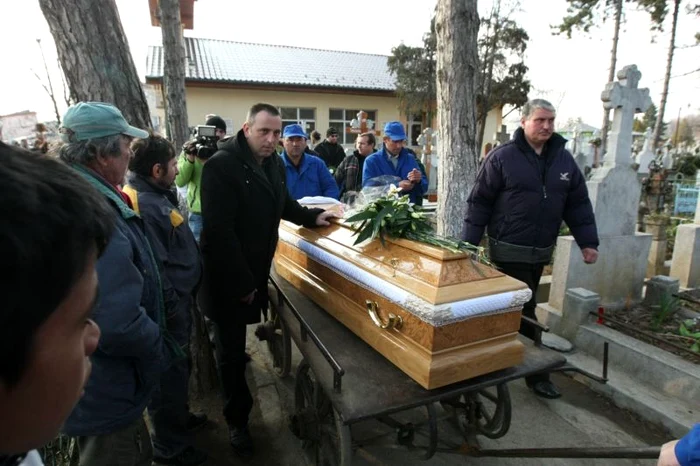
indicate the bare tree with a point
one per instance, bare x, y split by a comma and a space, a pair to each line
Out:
49, 89
658, 127
456, 26
95, 55
174, 71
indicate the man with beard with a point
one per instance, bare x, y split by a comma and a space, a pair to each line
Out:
153, 171
524, 190
330, 151
244, 196
349, 172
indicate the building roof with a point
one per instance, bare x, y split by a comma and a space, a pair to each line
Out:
239, 62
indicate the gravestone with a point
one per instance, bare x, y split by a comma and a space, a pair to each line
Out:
427, 140
614, 190
685, 263
581, 160
646, 155
667, 161
502, 136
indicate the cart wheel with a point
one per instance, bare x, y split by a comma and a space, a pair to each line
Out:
275, 332
486, 412
325, 440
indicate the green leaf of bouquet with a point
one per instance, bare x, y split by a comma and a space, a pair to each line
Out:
363, 215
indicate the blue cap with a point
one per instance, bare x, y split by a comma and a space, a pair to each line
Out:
291, 131
88, 120
395, 131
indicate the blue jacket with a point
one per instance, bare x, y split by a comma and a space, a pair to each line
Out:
688, 448
523, 199
131, 353
311, 178
378, 164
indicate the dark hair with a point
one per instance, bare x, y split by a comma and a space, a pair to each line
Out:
261, 107
315, 136
217, 122
53, 220
150, 151
370, 138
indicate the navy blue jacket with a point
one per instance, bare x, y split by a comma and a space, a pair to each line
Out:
131, 353
378, 164
171, 238
523, 200
310, 178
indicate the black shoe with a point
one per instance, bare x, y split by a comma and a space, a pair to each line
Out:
545, 389
190, 456
241, 442
196, 421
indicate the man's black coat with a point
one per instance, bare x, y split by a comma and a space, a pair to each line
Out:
242, 204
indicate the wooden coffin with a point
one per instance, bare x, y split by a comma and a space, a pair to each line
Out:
437, 315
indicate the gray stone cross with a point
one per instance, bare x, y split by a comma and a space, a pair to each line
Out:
502, 137
625, 100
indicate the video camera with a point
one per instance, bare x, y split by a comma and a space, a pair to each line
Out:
203, 142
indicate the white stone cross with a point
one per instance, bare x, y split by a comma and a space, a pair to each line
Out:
625, 100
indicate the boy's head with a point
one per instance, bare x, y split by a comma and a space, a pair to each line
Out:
54, 226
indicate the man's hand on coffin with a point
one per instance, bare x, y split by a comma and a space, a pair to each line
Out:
248, 299
322, 218
590, 255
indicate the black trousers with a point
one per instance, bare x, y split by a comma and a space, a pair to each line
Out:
530, 274
229, 342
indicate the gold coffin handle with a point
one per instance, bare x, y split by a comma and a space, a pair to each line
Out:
393, 322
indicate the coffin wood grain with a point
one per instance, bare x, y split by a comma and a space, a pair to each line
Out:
431, 369
425, 335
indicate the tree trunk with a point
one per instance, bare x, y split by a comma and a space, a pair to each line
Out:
664, 93
95, 55
611, 76
487, 65
174, 71
457, 25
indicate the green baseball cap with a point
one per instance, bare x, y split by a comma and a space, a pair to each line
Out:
88, 120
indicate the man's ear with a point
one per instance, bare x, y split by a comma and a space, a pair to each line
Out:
156, 171
246, 129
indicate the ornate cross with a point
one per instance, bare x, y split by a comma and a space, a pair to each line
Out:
625, 99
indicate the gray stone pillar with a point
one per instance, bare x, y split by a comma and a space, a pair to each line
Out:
578, 304
659, 288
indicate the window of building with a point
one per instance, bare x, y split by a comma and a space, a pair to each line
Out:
340, 119
306, 117
413, 128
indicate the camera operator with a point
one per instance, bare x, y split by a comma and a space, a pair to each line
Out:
194, 155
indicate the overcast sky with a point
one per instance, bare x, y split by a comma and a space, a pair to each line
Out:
571, 73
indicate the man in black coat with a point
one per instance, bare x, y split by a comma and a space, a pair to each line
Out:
244, 196
524, 190
330, 151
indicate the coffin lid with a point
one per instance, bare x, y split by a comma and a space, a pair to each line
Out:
434, 274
